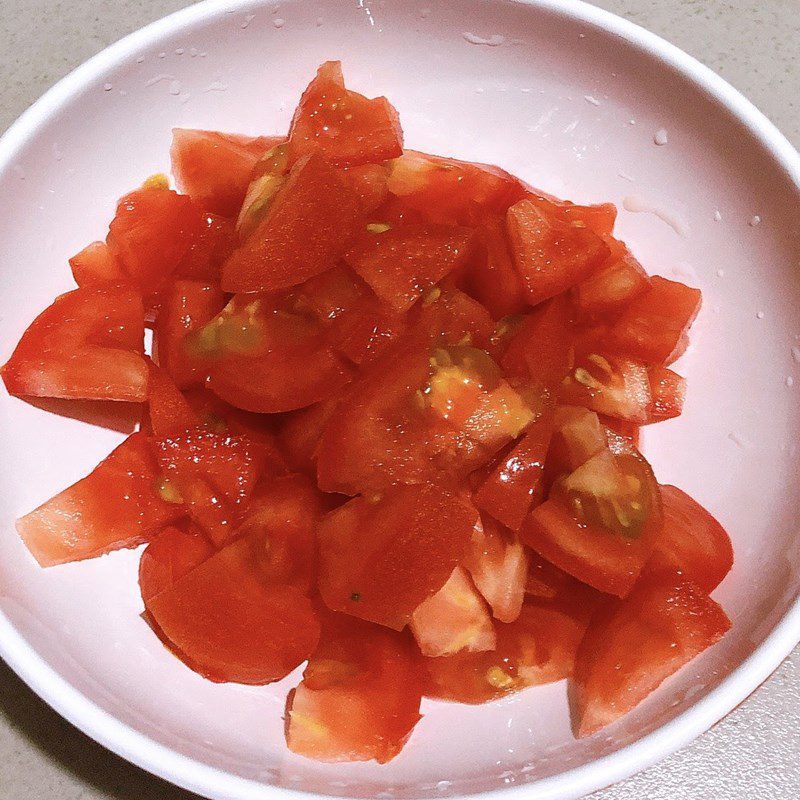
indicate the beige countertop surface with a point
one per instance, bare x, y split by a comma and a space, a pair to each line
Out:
753, 754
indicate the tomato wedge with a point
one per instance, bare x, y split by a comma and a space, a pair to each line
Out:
300, 432
169, 411
606, 293
667, 392
95, 264
116, 506
87, 345
635, 644
381, 556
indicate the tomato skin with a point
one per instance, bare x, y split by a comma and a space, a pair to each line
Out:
346, 127
380, 558
114, 507
169, 412
693, 542
300, 432
578, 436
633, 645
208, 251
214, 168
369, 182
360, 695
94, 265
187, 306
550, 255
622, 436
452, 317
401, 263
150, 234
653, 326
611, 288
304, 231
230, 624
667, 391
87, 345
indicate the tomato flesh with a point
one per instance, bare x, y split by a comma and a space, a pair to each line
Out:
667, 393
96, 264
606, 293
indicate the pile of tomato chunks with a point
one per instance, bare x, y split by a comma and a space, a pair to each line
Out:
394, 404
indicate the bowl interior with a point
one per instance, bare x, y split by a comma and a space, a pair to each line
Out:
571, 108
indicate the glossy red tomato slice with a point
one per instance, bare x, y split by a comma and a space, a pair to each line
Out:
187, 306
346, 127
401, 263
381, 556
150, 234
214, 168
300, 431
87, 345
453, 620
600, 523
538, 647
635, 644
606, 293
360, 695
115, 506
693, 542
667, 392
228, 622
547, 582
95, 264
498, 565
449, 315
168, 409
369, 182
652, 327
172, 554
208, 251
551, 255
303, 232
622, 436
578, 436
598, 218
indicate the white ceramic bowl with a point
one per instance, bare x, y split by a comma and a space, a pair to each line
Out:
570, 98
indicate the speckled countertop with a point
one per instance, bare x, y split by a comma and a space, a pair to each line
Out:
754, 754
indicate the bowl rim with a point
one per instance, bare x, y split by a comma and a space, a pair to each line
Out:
203, 779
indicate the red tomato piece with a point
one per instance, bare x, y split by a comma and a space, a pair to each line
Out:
171, 555
380, 557
610, 385
87, 345
653, 325
538, 647
303, 232
401, 263
667, 392
208, 251
598, 218
551, 255
498, 565
300, 432
622, 436
225, 620
346, 127
214, 474
360, 695
214, 168
369, 182
170, 413
96, 264
693, 542
447, 191
187, 307
601, 523
547, 582
268, 358
449, 315
492, 279
635, 644
116, 506
150, 234
606, 293
453, 620
578, 436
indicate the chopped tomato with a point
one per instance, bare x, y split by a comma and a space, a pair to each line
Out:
304, 230
225, 620
214, 168
383, 555
150, 234
87, 345
208, 251
598, 218
652, 327
115, 506
600, 523
453, 620
402, 262
551, 255
635, 644
578, 436
693, 542
360, 695
446, 313
172, 554
538, 647
547, 582
498, 565
169, 411
300, 432
606, 293
369, 182
96, 264
667, 391
622, 436
346, 127
187, 306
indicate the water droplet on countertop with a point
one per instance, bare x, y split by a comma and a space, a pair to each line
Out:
593, 100
789, 381
193, 52
525, 89
203, 54
140, 60
278, 22
760, 315
175, 87
179, 51
247, 20
425, 13
796, 354
637, 205
720, 273
660, 137
107, 87
162, 55
717, 216
581, 35
754, 220
495, 40
443, 786
631, 122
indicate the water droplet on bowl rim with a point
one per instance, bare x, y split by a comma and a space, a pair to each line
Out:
660, 137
